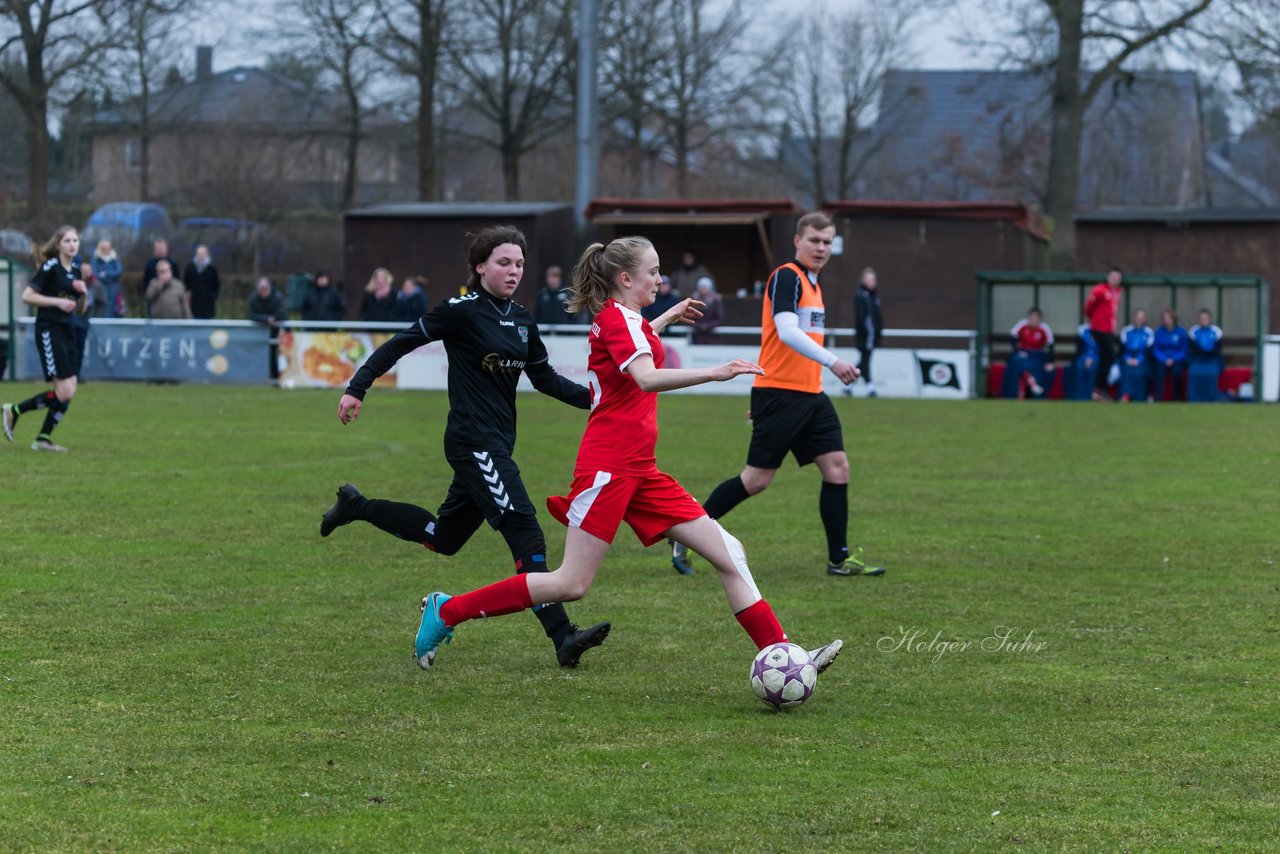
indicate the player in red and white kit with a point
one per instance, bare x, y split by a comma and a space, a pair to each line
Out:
616, 477
1032, 361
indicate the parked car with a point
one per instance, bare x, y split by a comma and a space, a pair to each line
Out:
16, 244
132, 227
236, 245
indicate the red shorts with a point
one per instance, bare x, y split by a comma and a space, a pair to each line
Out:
598, 502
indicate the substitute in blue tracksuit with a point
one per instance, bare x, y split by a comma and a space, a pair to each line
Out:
1169, 356
1135, 363
1205, 359
1084, 370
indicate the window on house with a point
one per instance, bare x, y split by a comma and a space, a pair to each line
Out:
133, 154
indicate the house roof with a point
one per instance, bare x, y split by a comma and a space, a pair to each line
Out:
242, 96
1182, 215
984, 136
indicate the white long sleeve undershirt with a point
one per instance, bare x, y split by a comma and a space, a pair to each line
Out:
788, 326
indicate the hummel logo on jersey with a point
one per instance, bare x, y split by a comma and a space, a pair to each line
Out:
506, 323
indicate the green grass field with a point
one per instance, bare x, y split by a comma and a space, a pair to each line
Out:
186, 664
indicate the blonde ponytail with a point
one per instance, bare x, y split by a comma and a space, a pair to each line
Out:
598, 269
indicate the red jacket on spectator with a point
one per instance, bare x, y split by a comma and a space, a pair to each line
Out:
1101, 308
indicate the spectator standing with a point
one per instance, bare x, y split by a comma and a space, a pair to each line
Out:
1101, 309
167, 296
411, 302
684, 279
1169, 356
203, 285
704, 328
1030, 368
107, 270
868, 326
551, 299
379, 298
1204, 364
1136, 341
323, 301
267, 306
161, 249
664, 301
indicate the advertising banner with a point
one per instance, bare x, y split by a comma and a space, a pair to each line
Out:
329, 359
189, 351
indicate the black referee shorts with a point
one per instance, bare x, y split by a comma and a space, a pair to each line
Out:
57, 350
484, 486
791, 422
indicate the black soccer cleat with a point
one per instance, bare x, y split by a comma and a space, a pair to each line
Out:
343, 510
579, 642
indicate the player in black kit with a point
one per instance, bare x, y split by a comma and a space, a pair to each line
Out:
56, 291
490, 340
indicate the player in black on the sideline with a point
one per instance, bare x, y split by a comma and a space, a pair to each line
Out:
490, 340
56, 290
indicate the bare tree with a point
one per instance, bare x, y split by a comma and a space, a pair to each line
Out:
709, 78
833, 85
1246, 34
1083, 45
629, 80
513, 59
50, 39
411, 37
137, 62
338, 34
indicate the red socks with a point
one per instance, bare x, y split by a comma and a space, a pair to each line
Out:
503, 597
759, 622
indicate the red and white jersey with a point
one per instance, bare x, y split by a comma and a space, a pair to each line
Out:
622, 430
1032, 338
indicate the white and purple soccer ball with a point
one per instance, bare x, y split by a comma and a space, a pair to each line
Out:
783, 675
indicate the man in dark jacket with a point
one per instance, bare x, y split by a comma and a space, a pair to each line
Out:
868, 326
323, 301
201, 279
266, 305
149, 271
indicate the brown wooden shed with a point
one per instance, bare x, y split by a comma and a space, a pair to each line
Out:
1241, 241
430, 239
738, 240
925, 255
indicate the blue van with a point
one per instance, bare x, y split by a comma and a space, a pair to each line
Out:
132, 228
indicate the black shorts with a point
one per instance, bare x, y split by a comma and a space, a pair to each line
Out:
485, 486
795, 422
57, 350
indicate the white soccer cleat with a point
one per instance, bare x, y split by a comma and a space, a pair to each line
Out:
823, 656
9, 418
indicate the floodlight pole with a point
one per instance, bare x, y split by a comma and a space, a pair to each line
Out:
588, 124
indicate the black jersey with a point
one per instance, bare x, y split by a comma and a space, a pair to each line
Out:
489, 343
54, 280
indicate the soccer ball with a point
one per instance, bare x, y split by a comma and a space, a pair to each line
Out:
783, 675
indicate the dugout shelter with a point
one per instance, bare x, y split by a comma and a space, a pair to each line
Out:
1240, 306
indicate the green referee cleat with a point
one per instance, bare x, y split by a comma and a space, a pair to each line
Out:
853, 565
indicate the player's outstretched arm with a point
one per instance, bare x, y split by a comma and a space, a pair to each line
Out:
651, 378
